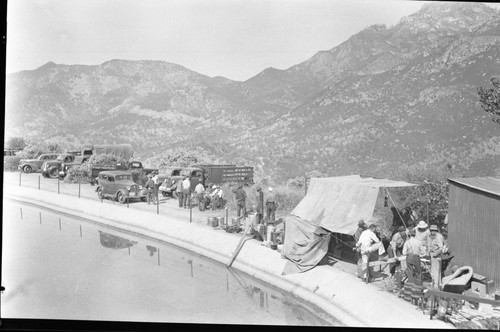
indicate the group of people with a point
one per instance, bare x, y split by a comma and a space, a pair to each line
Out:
407, 246
267, 205
211, 197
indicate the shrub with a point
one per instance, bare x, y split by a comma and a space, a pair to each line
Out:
105, 159
10, 163
78, 174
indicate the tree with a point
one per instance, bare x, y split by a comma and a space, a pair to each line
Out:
16, 143
490, 99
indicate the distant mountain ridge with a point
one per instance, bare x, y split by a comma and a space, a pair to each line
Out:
397, 97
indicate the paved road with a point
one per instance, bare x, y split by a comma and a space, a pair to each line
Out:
166, 206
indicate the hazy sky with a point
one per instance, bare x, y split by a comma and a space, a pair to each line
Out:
232, 38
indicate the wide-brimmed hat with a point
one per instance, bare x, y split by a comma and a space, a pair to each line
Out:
270, 188
214, 186
422, 224
434, 228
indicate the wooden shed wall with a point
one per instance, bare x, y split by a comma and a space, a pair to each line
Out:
474, 230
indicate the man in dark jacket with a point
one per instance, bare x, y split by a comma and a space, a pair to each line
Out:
240, 196
150, 186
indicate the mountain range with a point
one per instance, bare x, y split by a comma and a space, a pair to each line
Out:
387, 99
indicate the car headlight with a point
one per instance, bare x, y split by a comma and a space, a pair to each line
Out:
140, 187
128, 188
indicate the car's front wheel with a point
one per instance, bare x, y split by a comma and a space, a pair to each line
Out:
121, 198
27, 169
53, 172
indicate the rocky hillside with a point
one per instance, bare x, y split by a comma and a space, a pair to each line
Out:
387, 98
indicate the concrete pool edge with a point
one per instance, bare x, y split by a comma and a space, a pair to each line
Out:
323, 286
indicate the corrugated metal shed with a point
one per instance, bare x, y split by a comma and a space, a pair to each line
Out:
474, 224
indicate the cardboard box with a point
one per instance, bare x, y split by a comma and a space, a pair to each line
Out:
479, 288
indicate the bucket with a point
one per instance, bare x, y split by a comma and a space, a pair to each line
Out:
443, 306
262, 230
215, 222
209, 221
252, 217
221, 221
270, 229
235, 221
274, 237
248, 225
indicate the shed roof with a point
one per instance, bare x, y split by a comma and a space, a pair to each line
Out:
487, 184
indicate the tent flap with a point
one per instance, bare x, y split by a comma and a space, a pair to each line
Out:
304, 246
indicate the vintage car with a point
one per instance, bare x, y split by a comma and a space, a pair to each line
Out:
167, 179
119, 185
34, 165
58, 168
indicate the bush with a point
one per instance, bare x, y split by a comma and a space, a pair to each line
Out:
105, 159
10, 163
78, 174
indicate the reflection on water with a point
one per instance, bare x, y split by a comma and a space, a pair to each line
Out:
114, 242
63, 268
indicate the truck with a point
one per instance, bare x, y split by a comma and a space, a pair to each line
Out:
58, 168
35, 165
209, 174
95, 170
124, 151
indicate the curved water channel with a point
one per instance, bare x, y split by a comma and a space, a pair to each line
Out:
58, 267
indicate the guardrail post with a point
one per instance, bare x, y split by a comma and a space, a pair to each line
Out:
127, 201
58, 185
190, 212
20, 173
158, 256
81, 235
40, 217
59, 223
79, 185
38, 182
21, 213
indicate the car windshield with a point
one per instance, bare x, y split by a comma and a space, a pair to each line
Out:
61, 157
186, 172
123, 177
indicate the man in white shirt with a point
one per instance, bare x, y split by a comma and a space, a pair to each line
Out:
186, 192
199, 190
368, 243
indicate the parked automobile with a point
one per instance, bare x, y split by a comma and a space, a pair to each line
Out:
118, 185
34, 165
127, 166
58, 167
167, 179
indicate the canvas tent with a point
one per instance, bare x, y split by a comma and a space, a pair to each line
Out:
334, 204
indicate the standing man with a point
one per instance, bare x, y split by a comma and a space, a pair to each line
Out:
156, 185
149, 185
260, 206
199, 190
270, 206
369, 243
412, 249
395, 249
241, 197
361, 229
178, 191
436, 244
186, 192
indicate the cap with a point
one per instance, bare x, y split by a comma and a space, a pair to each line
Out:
361, 223
434, 228
422, 224
214, 186
270, 189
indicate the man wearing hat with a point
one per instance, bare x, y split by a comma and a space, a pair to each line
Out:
412, 249
369, 243
422, 234
436, 244
361, 229
271, 206
241, 205
395, 248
